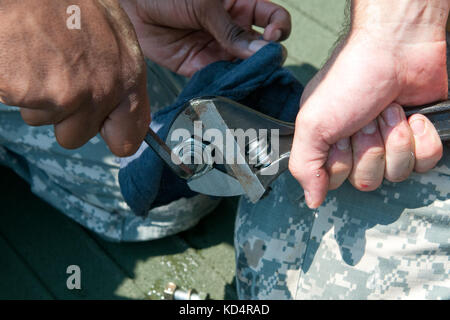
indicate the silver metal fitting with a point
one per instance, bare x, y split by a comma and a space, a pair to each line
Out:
169, 291
192, 153
172, 292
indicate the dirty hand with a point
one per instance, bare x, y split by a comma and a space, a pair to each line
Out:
187, 35
351, 123
83, 81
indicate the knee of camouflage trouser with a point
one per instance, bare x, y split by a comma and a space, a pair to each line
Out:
388, 244
83, 183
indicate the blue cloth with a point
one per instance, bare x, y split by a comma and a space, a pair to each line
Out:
259, 82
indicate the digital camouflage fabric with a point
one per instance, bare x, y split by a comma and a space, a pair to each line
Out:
393, 243
83, 183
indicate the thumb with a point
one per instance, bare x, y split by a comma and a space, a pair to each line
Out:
307, 164
232, 37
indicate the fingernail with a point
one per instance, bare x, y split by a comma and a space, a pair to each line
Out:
392, 116
255, 45
370, 128
418, 127
343, 144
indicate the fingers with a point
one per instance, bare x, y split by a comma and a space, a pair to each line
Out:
225, 22
77, 129
123, 128
275, 20
34, 117
428, 145
126, 126
231, 36
392, 149
368, 158
308, 159
339, 164
399, 143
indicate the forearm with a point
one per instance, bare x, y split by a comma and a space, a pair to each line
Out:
404, 20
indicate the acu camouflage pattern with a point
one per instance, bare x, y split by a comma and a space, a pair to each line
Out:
83, 183
387, 244
392, 243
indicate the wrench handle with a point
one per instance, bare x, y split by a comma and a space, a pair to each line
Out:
439, 115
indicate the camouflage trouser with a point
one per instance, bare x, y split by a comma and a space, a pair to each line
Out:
83, 184
393, 243
390, 243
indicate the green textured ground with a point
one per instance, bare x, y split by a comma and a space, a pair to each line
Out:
37, 242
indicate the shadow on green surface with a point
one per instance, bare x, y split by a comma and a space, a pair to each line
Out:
38, 243
304, 72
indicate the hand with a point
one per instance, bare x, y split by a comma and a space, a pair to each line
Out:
82, 81
187, 35
400, 60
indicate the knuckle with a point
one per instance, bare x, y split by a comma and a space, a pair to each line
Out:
103, 94
65, 97
111, 85
310, 123
64, 101
17, 97
6, 99
132, 77
233, 32
400, 141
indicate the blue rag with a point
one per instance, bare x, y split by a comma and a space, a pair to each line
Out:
258, 82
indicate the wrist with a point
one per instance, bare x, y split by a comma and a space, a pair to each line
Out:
407, 21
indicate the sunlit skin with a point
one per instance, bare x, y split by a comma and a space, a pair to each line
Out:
394, 55
94, 81
81, 81
187, 35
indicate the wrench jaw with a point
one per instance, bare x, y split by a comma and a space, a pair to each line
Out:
227, 173
236, 168
253, 164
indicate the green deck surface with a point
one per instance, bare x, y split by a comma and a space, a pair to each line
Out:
38, 243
